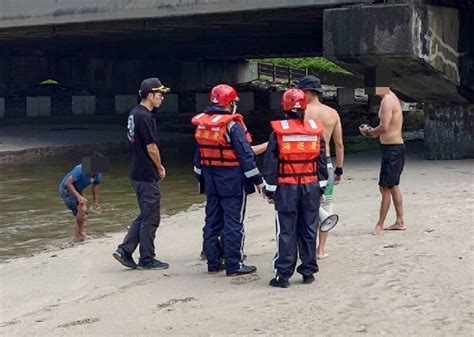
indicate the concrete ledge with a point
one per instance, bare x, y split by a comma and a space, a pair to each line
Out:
83, 105
125, 103
39, 106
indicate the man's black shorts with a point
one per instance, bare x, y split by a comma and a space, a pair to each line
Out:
393, 161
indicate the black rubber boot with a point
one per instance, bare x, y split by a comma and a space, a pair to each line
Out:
243, 271
280, 282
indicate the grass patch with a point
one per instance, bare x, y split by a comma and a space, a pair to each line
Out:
313, 63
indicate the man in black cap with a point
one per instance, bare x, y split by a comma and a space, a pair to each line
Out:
311, 85
146, 170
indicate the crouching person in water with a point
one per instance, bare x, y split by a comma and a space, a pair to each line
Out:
225, 162
295, 174
73, 184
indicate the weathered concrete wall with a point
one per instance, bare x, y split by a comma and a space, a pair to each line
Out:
83, 105
105, 77
93, 73
38, 106
466, 47
275, 100
436, 37
125, 103
345, 96
202, 74
418, 42
170, 104
449, 131
202, 101
2, 107
4, 75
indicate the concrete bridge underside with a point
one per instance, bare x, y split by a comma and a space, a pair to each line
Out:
105, 48
184, 29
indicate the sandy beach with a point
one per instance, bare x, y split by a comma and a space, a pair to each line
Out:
413, 283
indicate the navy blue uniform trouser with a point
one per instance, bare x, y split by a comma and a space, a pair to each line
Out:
143, 229
297, 228
225, 214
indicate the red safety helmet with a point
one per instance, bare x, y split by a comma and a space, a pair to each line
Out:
294, 99
223, 95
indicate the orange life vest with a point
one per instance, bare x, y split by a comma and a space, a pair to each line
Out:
213, 138
299, 144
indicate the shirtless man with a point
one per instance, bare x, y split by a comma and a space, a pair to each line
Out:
329, 117
392, 149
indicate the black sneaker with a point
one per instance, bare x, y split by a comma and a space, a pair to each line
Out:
243, 270
124, 258
153, 265
308, 279
280, 282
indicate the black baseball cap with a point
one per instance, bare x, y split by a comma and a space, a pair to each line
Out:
152, 85
311, 83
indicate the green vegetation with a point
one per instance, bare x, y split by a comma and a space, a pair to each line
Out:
313, 63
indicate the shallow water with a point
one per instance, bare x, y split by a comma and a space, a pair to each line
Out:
33, 215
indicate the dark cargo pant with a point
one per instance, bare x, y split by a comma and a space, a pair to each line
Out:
297, 228
224, 218
143, 229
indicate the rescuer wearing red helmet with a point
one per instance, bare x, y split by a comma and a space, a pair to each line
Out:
295, 175
225, 163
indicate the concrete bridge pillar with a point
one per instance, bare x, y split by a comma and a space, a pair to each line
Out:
449, 131
2, 107
430, 51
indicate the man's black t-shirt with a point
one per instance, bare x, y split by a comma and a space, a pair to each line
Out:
142, 132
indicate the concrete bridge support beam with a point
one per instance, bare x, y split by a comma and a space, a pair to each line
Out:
428, 51
419, 43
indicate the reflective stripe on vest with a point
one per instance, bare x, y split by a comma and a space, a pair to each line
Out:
213, 139
299, 145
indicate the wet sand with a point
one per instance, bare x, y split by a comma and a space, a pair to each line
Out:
413, 283
30, 143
